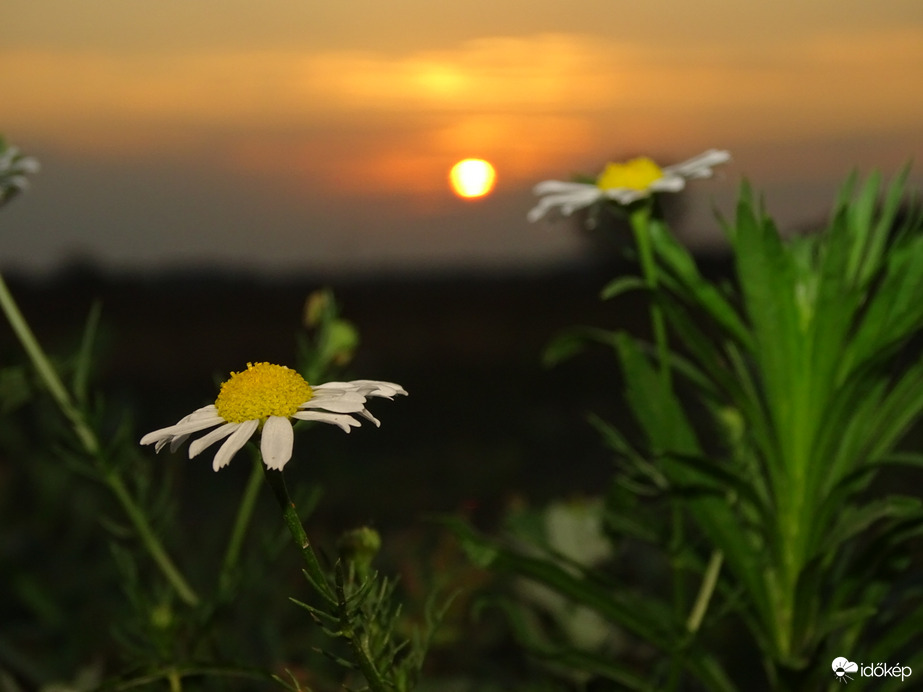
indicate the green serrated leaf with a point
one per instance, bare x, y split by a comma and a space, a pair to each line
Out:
684, 280
658, 412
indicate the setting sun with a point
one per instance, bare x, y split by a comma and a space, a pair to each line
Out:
472, 178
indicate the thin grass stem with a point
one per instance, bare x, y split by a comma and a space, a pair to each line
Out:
90, 442
241, 522
706, 590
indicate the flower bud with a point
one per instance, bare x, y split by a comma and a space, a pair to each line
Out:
358, 548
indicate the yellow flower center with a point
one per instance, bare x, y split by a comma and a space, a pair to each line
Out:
260, 391
637, 174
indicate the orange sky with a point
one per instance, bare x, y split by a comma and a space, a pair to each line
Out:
342, 120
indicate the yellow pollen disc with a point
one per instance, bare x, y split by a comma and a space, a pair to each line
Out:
637, 174
260, 391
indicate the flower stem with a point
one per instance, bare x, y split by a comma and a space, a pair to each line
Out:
242, 522
313, 569
357, 642
640, 218
709, 581
90, 443
336, 595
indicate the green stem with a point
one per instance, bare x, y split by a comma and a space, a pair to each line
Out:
313, 570
640, 218
242, 522
46, 370
321, 583
146, 534
357, 642
709, 582
90, 442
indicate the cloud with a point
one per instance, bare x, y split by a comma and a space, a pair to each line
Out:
536, 103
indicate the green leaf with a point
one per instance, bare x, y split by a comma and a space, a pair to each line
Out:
712, 378
723, 478
903, 459
617, 442
885, 227
630, 525
599, 665
843, 619
658, 411
746, 555
622, 284
897, 634
15, 388
682, 277
85, 354
884, 554
634, 612
854, 520
571, 341
859, 214
892, 311
768, 279
896, 412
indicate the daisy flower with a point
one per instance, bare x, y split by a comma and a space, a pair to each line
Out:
624, 183
266, 397
14, 167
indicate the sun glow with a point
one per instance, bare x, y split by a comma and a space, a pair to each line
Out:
472, 178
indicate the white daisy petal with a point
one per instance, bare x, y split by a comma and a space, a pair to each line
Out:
368, 416
545, 205
386, 390
624, 195
572, 196
699, 166
200, 419
233, 444
203, 412
175, 443
276, 442
334, 389
580, 200
206, 441
560, 187
569, 197
348, 402
669, 183
263, 390
345, 422
367, 387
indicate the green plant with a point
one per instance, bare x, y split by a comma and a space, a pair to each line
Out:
749, 479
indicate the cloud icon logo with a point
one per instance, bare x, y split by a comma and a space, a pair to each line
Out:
842, 666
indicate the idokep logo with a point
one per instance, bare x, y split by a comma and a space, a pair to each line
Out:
842, 667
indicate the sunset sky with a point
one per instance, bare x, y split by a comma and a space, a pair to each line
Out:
295, 135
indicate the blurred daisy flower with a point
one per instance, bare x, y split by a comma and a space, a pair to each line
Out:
624, 183
14, 167
266, 397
